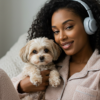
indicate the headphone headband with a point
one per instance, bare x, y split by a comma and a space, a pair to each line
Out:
86, 7
89, 22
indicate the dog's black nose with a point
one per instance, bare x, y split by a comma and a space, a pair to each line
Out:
42, 58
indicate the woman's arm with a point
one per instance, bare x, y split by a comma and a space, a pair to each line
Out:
16, 82
23, 87
7, 91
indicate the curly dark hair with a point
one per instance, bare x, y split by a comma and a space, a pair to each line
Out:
41, 26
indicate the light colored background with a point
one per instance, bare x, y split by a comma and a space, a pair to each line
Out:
16, 17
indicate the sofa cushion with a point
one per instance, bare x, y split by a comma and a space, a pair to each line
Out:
11, 63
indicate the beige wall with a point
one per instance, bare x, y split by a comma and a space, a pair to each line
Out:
15, 19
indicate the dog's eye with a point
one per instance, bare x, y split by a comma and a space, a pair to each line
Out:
46, 50
34, 51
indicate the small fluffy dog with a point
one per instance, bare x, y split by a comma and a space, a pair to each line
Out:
39, 54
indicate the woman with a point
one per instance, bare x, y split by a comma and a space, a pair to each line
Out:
62, 20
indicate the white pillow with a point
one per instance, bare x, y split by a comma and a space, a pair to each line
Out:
11, 63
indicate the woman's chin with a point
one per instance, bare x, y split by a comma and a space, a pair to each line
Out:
69, 52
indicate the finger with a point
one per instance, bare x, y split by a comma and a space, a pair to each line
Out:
46, 84
42, 88
45, 73
46, 79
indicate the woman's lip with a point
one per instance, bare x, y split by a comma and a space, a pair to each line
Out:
67, 45
62, 44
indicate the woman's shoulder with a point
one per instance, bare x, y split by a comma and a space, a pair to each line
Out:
7, 91
94, 61
3, 77
2, 73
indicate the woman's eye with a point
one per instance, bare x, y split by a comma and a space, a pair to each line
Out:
69, 27
46, 50
55, 32
34, 51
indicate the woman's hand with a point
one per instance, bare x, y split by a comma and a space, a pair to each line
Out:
25, 86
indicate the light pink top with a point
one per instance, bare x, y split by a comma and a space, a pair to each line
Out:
83, 85
7, 90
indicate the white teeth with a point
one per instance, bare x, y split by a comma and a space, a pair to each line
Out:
68, 44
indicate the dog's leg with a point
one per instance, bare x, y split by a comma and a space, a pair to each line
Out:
35, 77
54, 79
34, 73
24, 74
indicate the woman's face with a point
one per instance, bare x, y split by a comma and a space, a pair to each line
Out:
68, 31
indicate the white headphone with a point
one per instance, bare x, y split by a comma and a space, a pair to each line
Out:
89, 22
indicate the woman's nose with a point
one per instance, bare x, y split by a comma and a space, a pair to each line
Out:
63, 35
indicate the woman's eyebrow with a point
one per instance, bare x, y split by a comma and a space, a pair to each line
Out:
67, 21
53, 27
63, 22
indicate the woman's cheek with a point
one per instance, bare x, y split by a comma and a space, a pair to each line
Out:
56, 39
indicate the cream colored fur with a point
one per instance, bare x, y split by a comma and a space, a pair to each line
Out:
49, 51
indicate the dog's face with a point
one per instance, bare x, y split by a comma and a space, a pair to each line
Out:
40, 51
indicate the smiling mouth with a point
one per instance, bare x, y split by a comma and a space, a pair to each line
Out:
67, 45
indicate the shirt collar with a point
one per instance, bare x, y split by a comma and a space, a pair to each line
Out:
93, 64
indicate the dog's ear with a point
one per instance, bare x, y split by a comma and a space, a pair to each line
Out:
24, 52
56, 50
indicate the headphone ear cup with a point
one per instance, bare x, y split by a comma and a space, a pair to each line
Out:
86, 26
90, 26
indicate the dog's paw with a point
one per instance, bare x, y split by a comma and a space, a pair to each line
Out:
54, 82
36, 80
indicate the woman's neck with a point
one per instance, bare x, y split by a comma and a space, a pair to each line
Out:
82, 56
